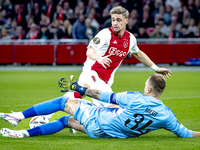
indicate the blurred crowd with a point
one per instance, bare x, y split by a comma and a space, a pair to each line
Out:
82, 19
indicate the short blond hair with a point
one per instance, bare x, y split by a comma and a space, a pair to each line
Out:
157, 82
120, 10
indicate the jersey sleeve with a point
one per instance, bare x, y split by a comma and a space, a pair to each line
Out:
124, 99
176, 127
133, 45
100, 39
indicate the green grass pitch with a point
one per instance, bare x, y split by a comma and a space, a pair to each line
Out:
20, 90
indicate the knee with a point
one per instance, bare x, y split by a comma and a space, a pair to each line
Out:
64, 120
70, 106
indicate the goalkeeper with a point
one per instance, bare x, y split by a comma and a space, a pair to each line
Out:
139, 114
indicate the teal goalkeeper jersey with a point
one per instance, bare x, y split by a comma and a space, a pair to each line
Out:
138, 115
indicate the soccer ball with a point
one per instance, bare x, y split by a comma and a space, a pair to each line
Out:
37, 121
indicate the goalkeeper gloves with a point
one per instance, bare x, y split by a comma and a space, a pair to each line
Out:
71, 85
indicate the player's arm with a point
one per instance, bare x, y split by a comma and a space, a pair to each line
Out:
93, 93
91, 53
142, 57
196, 134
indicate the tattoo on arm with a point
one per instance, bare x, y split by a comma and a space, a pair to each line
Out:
92, 93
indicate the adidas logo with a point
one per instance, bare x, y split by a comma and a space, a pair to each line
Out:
115, 42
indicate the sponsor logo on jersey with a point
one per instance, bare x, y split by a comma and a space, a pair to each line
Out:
125, 44
114, 51
96, 40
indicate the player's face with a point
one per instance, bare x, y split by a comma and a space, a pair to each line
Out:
119, 23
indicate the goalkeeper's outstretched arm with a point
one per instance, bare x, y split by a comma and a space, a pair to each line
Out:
93, 93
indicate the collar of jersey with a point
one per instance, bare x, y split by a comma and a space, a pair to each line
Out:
117, 34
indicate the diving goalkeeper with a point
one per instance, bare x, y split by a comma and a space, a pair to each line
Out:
138, 114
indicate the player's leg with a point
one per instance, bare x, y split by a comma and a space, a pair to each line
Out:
44, 108
83, 81
49, 128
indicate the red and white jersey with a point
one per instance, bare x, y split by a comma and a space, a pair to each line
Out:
106, 42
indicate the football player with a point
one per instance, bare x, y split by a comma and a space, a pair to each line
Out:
138, 114
106, 52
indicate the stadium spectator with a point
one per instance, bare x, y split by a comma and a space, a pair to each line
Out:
198, 30
158, 3
55, 23
192, 27
33, 32
5, 4
167, 16
105, 16
79, 9
163, 27
173, 32
67, 29
135, 4
174, 20
147, 20
13, 30
142, 31
131, 28
146, 8
79, 28
36, 13
88, 8
59, 14
112, 4
157, 17
94, 22
161, 10
67, 10
29, 8
90, 30
20, 34
55, 31
44, 33
106, 20
190, 6
185, 16
197, 11
18, 16
134, 16
175, 4
30, 21
4, 15
125, 4
4, 34
1, 22
185, 33
44, 20
157, 33
48, 9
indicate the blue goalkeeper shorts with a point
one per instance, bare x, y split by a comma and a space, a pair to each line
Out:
85, 114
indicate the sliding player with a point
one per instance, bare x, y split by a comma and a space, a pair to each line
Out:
139, 114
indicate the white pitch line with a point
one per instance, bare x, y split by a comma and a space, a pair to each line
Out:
17, 105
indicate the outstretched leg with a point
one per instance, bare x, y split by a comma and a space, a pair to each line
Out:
45, 108
49, 128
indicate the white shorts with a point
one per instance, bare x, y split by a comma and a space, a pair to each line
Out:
92, 79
